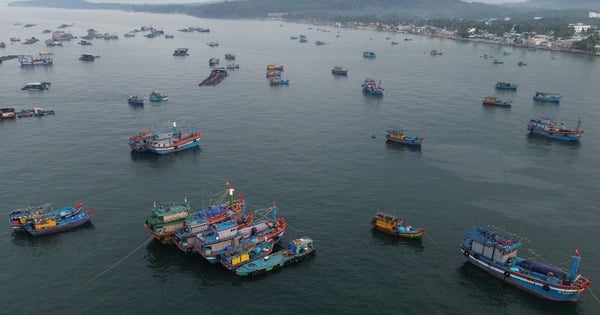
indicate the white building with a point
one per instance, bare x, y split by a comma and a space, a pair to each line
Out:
579, 27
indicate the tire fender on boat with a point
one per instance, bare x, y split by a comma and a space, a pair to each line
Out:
189, 250
476, 256
545, 287
507, 274
466, 252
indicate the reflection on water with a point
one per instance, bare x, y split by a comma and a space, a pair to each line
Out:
391, 240
402, 147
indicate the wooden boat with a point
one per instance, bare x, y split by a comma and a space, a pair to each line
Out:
18, 218
51, 225
298, 250
28, 60
135, 100
547, 97
490, 100
495, 252
247, 251
273, 74
369, 54
7, 113
498, 61
399, 136
222, 236
233, 66
36, 86
521, 63
435, 52
500, 85
215, 77
213, 61
166, 217
274, 67
278, 81
550, 128
181, 52
395, 225
88, 57
170, 141
156, 96
370, 87
229, 56
337, 70
34, 112
213, 44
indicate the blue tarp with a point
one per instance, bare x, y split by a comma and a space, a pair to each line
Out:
542, 268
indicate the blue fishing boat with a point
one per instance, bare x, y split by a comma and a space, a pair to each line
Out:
490, 100
135, 100
496, 253
550, 128
369, 54
155, 96
170, 141
28, 60
223, 236
399, 136
547, 97
337, 70
370, 87
279, 81
51, 225
247, 251
297, 250
19, 218
500, 85
36, 86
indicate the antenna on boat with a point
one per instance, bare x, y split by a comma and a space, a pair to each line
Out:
575, 265
230, 190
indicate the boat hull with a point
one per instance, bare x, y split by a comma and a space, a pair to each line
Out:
66, 224
170, 149
417, 234
543, 289
274, 262
414, 142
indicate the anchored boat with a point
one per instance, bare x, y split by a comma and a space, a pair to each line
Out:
506, 86
166, 217
496, 253
51, 225
490, 100
395, 225
550, 128
36, 86
298, 250
165, 142
399, 136
371, 87
337, 70
19, 218
547, 97
247, 251
156, 96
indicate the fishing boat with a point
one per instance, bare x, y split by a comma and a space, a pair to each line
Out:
223, 236
233, 66
36, 86
498, 61
370, 87
88, 57
135, 100
156, 96
229, 56
7, 113
273, 74
297, 250
181, 52
34, 112
279, 81
43, 226
169, 141
84, 42
337, 70
500, 85
435, 52
2, 45
547, 97
495, 252
521, 63
550, 128
490, 100
166, 217
369, 54
247, 251
29, 60
399, 136
215, 77
213, 44
19, 218
274, 67
395, 225
213, 61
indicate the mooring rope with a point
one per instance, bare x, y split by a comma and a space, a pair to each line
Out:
431, 239
290, 227
594, 295
118, 262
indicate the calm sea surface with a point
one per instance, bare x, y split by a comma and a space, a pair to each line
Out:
308, 146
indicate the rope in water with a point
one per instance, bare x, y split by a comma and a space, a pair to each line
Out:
118, 262
594, 295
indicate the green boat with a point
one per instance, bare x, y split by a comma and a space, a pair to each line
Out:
297, 250
165, 219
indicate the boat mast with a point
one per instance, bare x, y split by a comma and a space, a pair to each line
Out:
230, 190
575, 265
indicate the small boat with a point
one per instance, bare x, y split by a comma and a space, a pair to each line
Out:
521, 63
245, 252
498, 61
370, 87
506, 86
7, 113
320, 43
28, 60
213, 61
164, 142
547, 97
273, 74
337, 70
369, 54
394, 43
155, 96
293, 37
505, 53
36, 86
233, 66
130, 34
229, 56
30, 41
88, 57
15, 39
279, 81
169, 36
84, 42
435, 52
181, 52
18, 218
35, 112
395, 225
550, 128
215, 77
135, 100
213, 44
2, 45
495, 252
490, 100
399, 136
165, 218
37, 227
297, 250
274, 67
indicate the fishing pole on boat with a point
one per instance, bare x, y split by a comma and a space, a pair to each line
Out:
118, 262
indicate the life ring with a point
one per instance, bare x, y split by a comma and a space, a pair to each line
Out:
466, 252
546, 287
507, 274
